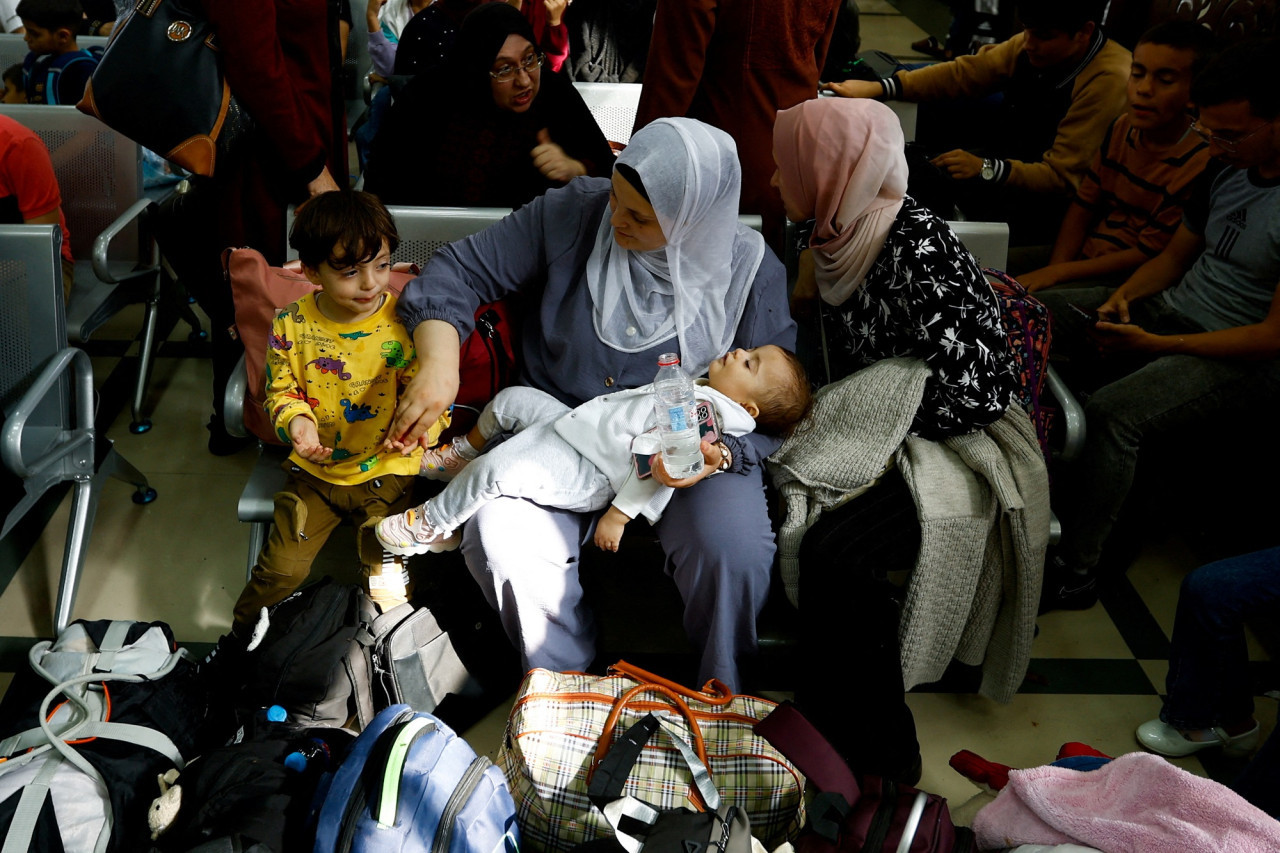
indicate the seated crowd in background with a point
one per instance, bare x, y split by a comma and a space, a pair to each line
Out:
1060, 82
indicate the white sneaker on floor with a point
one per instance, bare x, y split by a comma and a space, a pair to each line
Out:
1163, 739
410, 533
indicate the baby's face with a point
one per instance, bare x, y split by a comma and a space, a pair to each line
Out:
745, 375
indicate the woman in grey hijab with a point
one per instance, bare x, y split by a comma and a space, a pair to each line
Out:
609, 274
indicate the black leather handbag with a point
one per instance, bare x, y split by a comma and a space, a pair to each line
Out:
160, 83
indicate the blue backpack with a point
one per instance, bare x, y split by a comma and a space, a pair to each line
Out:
411, 785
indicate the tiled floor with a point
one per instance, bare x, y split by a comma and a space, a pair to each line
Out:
1094, 677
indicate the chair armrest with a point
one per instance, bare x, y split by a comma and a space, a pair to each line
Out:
16, 417
233, 400
103, 241
1072, 412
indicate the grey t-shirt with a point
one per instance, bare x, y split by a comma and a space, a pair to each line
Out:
1234, 280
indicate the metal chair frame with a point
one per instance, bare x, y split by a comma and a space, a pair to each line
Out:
48, 435
99, 175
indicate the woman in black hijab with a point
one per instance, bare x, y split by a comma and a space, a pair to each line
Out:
494, 127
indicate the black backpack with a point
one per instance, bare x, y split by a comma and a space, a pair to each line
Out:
330, 659
244, 797
125, 706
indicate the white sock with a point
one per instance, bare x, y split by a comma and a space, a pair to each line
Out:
259, 630
463, 448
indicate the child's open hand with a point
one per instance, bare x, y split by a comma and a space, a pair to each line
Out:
306, 440
609, 529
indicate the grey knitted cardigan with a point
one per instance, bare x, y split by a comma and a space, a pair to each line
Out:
983, 504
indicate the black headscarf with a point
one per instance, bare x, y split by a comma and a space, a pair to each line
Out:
485, 29
429, 36
445, 141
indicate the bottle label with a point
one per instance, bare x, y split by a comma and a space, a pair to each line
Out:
677, 417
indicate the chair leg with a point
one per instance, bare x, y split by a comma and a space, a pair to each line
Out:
117, 467
140, 422
83, 505
183, 300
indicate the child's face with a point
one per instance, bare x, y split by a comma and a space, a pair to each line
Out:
352, 293
746, 375
1160, 86
12, 93
41, 41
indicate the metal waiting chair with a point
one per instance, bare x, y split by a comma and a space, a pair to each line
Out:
99, 174
46, 391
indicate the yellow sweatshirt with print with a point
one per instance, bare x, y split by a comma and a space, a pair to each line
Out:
347, 377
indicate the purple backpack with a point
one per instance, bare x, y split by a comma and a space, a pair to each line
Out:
1026, 325
864, 815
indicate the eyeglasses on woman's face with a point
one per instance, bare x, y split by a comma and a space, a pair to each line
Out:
507, 73
1229, 144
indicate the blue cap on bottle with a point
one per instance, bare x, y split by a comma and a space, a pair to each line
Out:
277, 714
296, 761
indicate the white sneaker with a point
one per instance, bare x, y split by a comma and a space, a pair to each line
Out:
443, 462
410, 533
1161, 738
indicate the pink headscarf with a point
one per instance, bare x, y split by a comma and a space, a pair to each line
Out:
841, 161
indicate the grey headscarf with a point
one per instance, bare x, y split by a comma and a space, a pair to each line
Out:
696, 286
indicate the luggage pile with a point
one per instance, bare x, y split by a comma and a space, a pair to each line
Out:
322, 738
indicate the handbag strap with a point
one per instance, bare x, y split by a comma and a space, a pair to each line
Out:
795, 737
611, 774
611, 722
714, 692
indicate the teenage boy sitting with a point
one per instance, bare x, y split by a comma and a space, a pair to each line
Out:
1192, 339
56, 69
1130, 202
1061, 82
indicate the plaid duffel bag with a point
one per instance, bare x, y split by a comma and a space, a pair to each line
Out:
563, 724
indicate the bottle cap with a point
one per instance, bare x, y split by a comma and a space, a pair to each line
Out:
296, 761
667, 359
277, 714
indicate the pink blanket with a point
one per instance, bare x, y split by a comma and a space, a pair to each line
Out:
1139, 802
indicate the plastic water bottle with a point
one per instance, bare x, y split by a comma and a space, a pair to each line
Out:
677, 412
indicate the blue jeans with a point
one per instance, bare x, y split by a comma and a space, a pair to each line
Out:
1208, 683
1140, 397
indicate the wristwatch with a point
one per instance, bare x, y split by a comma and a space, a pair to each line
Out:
988, 169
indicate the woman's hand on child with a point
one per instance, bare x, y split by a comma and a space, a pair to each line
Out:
306, 440
609, 529
427, 395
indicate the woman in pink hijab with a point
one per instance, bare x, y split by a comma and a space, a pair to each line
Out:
892, 278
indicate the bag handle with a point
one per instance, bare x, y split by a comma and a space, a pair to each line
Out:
792, 734
611, 723
605, 789
714, 692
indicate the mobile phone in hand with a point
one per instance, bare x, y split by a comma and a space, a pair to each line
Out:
1090, 316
